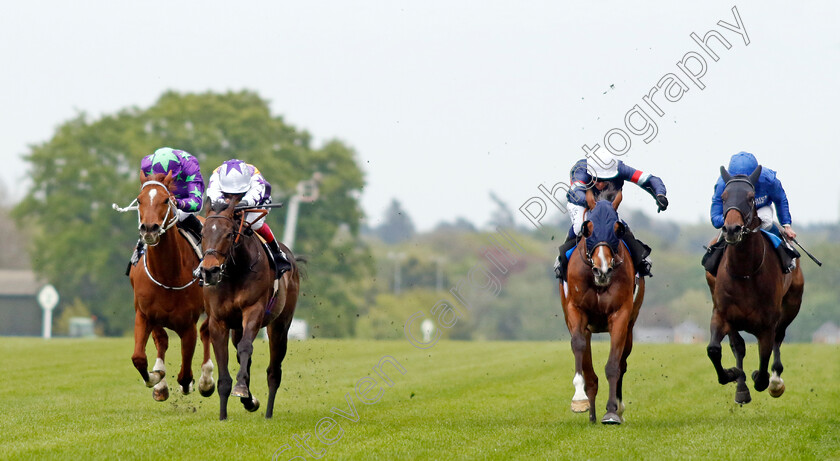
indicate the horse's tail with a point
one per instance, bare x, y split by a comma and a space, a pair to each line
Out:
300, 265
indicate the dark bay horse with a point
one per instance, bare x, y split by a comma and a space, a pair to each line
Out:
239, 285
165, 292
599, 297
750, 292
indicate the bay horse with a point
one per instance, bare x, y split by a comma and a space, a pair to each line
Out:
750, 292
165, 292
599, 297
239, 293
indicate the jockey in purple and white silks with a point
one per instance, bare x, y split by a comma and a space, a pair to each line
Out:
605, 183
768, 191
234, 177
188, 188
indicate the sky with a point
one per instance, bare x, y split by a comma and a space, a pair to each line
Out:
447, 101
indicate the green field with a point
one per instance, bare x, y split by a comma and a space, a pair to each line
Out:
82, 399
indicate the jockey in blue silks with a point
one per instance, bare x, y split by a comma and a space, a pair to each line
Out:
605, 183
769, 194
768, 191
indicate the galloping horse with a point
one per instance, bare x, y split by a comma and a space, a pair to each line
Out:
750, 293
599, 297
239, 292
165, 292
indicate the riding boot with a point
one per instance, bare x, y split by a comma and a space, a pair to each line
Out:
192, 225
639, 252
714, 253
562, 263
280, 259
135, 256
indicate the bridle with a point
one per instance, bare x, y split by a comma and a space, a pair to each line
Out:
169, 220
234, 236
747, 216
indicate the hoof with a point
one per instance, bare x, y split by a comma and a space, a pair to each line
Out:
189, 389
206, 392
161, 393
240, 391
611, 418
760, 380
742, 397
777, 387
580, 406
254, 406
154, 377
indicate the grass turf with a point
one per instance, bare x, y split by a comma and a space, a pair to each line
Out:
82, 399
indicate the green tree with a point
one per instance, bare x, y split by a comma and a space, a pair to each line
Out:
82, 245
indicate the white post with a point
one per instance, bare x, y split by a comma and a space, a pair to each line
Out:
48, 299
305, 191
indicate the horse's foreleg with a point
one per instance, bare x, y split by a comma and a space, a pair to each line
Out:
761, 379
739, 350
185, 376
206, 384
142, 330
219, 334
576, 321
719, 328
618, 338
278, 339
251, 318
160, 392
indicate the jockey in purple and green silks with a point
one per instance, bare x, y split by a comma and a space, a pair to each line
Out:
188, 188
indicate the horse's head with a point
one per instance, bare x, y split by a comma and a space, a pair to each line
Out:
739, 205
218, 239
603, 231
155, 206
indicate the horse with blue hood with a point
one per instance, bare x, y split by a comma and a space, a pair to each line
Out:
602, 294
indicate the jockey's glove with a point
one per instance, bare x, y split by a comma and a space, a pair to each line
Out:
661, 202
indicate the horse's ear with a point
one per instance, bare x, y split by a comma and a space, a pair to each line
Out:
755, 174
143, 175
725, 174
617, 200
590, 199
586, 229
620, 229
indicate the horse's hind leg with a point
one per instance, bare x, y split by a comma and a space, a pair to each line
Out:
278, 340
618, 339
739, 350
206, 385
790, 308
628, 346
160, 392
219, 334
185, 376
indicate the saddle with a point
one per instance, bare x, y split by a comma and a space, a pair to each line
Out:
786, 254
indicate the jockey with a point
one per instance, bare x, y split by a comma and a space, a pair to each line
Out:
188, 189
605, 183
768, 191
235, 177
769, 194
